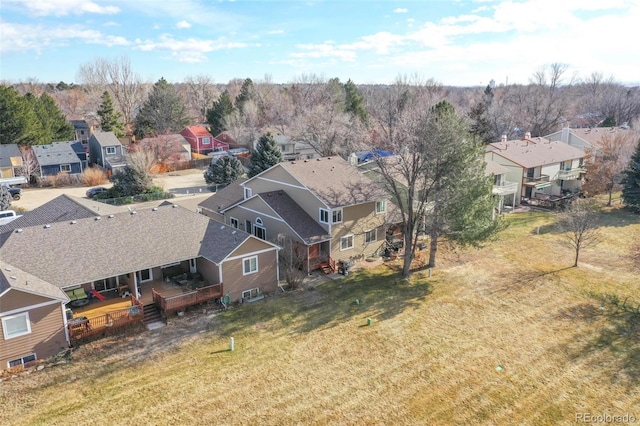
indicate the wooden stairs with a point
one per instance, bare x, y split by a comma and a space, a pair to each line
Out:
151, 314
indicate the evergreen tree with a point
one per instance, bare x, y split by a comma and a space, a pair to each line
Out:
163, 112
224, 171
216, 114
631, 182
110, 120
131, 180
266, 155
355, 102
609, 122
53, 123
18, 120
246, 94
5, 198
480, 125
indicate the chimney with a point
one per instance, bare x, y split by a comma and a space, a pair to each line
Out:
503, 139
527, 135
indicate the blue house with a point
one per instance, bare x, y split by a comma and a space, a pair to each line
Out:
58, 157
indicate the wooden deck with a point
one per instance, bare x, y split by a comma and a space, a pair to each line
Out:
104, 318
169, 304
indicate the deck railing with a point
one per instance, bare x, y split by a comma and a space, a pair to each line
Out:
177, 303
505, 188
83, 327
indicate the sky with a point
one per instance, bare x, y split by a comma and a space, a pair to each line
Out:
456, 43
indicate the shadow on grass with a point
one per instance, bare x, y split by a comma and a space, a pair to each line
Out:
614, 217
521, 278
377, 295
617, 335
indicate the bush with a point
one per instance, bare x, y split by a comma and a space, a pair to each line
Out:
62, 179
93, 176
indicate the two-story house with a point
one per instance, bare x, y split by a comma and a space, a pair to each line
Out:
324, 205
201, 141
60, 157
588, 138
106, 151
541, 168
10, 160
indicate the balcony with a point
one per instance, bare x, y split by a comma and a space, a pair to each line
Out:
539, 182
570, 174
505, 188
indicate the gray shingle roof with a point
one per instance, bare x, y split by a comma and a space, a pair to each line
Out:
106, 138
226, 197
535, 152
56, 153
6, 152
295, 216
61, 209
71, 253
335, 181
12, 277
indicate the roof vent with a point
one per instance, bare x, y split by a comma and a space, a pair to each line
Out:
98, 218
13, 277
155, 209
47, 226
112, 216
7, 269
132, 212
73, 222
175, 206
19, 230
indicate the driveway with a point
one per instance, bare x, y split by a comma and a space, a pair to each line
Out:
187, 185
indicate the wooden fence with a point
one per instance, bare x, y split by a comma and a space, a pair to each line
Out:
177, 303
83, 327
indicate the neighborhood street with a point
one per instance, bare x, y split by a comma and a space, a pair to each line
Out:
188, 186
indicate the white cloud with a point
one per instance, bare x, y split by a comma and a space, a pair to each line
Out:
20, 37
400, 10
111, 24
64, 7
190, 50
275, 32
183, 24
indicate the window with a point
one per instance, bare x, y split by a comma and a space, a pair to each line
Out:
234, 222
65, 167
144, 275
259, 230
247, 226
370, 236
206, 141
381, 206
324, 216
346, 243
22, 361
336, 216
16, 325
251, 294
247, 193
250, 265
110, 150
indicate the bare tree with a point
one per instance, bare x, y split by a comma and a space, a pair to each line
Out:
30, 167
580, 226
606, 160
164, 150
200, 94
117, 76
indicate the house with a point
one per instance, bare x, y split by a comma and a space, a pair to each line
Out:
172, 146
215, 206
10, 160
59, 157
32, 317
325, 206
149, 242
82, 130
294, 150
503, 189
542, 168
106, 151
228, 139
586, 138
201, 141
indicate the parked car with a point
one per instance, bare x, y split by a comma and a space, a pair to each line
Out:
92, 192
16, 193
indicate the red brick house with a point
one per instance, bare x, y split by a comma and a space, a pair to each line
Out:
201, 141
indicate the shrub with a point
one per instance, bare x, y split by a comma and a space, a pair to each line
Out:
60, 180
93, 176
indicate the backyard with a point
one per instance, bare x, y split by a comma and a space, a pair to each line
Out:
509, 334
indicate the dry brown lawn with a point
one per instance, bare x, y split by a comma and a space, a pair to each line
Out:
509, 334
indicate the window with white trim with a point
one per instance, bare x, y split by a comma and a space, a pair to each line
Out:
381, 206
251, 293
144, 275
336, 215
259, 230
65, 167
110, 150
324, 216
346, 242
206, 141
247, 193
250, 265
370, 236
22, 361
16, 325
234, 222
